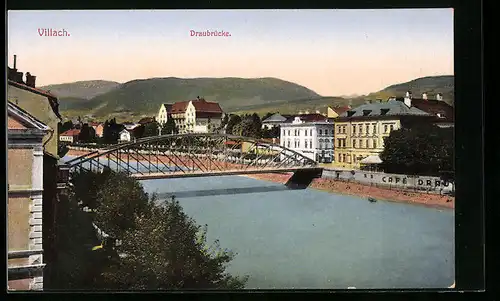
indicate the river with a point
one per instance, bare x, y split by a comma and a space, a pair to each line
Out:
319, 240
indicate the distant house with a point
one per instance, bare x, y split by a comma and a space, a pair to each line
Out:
197, 116
334, 112
164, 113
125, 135
70, 136
274, 121
98, 128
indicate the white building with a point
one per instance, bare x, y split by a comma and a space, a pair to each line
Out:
314, 139
125, 135
197, 116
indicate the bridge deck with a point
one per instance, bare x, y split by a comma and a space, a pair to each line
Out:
192, 174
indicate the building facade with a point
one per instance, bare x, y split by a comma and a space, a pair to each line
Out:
313, 139
69, 136
25, 169
42, 106
334, 112
360, 132
98, 128
125, 135
197, 116
163, 114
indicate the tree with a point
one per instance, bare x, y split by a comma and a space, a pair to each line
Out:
87, 133
267, 115
251, 126
169, 127
420, 150
116, 208
111, 131
151, 129
162, 248
167, 250
233, 121
63, 127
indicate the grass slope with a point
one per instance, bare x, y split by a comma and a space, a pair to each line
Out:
81, 89
146, 96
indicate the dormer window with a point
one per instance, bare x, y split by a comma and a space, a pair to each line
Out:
350, 113
366, 112
384, 111
440, 115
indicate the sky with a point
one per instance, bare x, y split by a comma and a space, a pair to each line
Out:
332, 52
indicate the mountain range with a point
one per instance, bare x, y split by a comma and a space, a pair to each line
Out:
143, 97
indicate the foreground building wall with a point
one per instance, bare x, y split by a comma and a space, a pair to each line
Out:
25, 200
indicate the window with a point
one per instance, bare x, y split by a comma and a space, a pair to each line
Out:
366, 128
305, 133
343, 157
283, 132
374, 143
288, 132
344, 129
385, 128
354, 143
305, 144
392, 127
288, 143
375, 128
310, 132
354, 129
320, 132
361, 129
362, 144
298, 132
340, 157
326, 132
310, 143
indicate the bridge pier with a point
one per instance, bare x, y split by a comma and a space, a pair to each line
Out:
302, 178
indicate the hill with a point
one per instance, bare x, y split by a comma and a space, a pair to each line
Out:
444, 84
81, 89
146, 96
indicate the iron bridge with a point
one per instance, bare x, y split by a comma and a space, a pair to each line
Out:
198, 155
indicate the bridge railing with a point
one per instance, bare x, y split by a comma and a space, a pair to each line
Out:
189, 153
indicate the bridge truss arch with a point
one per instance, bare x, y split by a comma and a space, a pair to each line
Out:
192, 155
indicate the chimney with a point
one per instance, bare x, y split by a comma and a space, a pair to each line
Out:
424, 95
300, 113
15, 62
30, 80
307, 112
407, 100
439, 96
317, 112
392, 98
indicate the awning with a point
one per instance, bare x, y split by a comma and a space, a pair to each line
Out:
371, 160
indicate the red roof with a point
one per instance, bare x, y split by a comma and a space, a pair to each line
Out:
309, 117
201, 105
434, 107
72, 132
341, 109
94, 123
